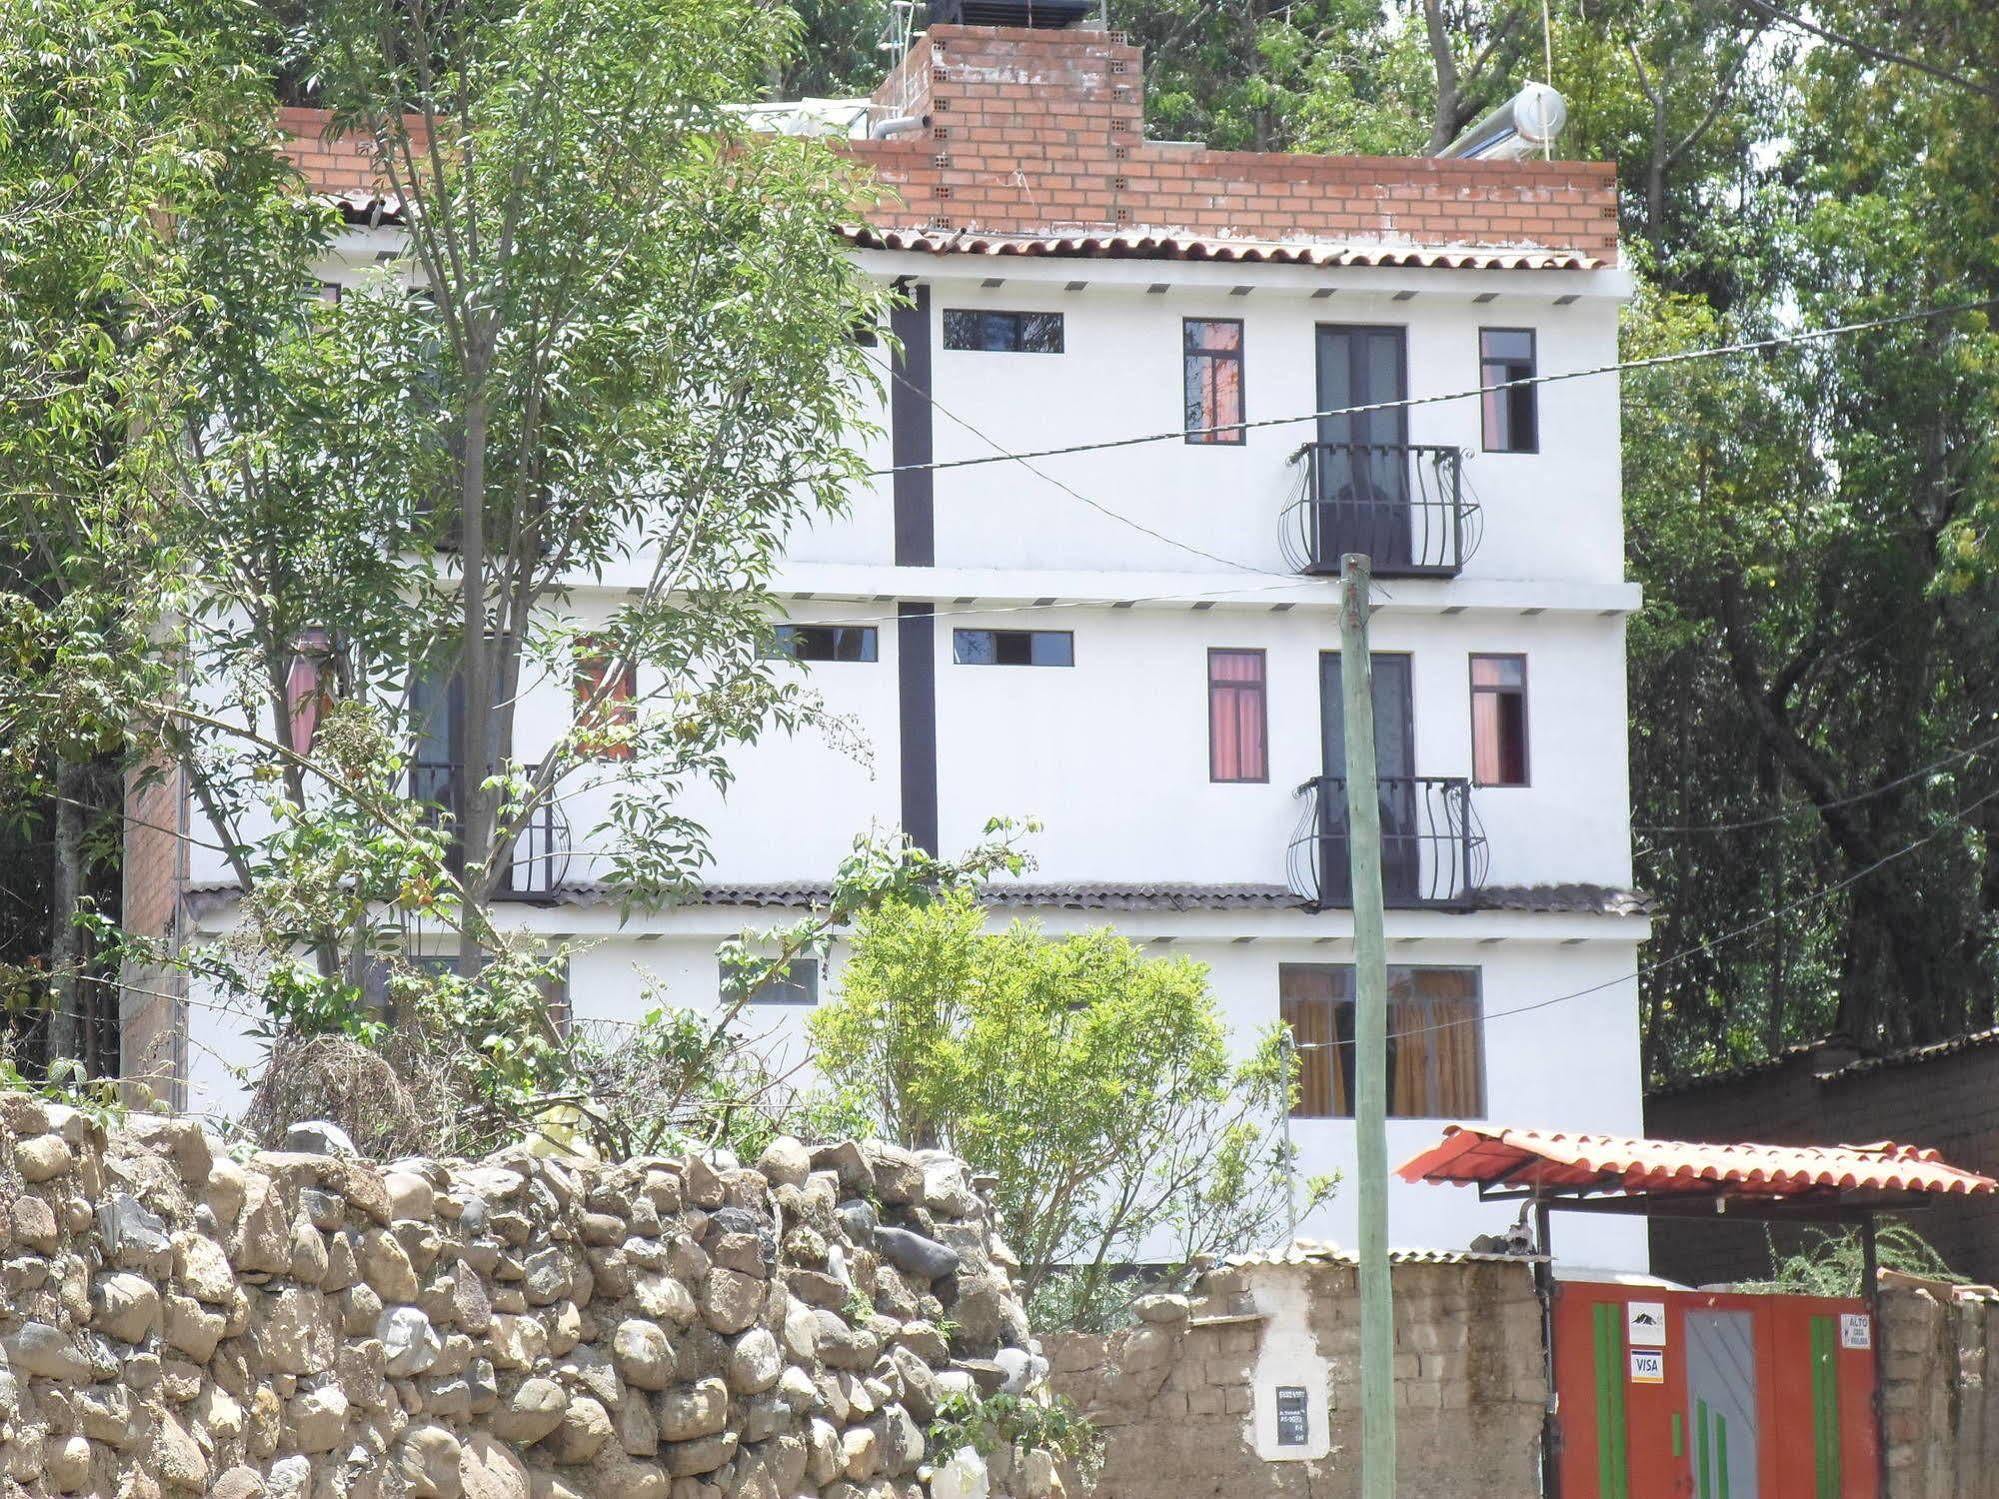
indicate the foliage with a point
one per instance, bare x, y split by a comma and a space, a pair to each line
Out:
1834, 1264
435, 1061
1094, 1082
993, 1423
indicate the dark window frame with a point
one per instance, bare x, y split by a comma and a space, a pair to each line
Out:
957, 659
1196, 436
1526, 726
1483, 1080
781, 991
788, 634
1531, 392
988, 319
1262, 711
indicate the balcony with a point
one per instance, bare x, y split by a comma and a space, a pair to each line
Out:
1432, 848
541, 851
1403, 506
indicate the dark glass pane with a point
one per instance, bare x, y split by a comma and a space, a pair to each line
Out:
797, 984
827, 642
974, 647
1040, 332
1014, 648
999, 331
961, 330
1507, 343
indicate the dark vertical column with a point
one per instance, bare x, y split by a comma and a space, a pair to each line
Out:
916, 681
910, 434
910, 420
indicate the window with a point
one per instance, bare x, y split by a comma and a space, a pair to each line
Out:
614, 708
1003, 332
311, 684
1511, 419
1212, 351
1499, 720
1436, 1062
797, 983
827, 642
1238, 748
1013, 647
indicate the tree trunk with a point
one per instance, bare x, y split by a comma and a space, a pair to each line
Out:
1444, 121
65, 1034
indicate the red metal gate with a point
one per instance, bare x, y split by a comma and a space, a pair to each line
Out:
1698, 1395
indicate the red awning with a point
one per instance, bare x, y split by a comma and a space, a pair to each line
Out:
1525, 1159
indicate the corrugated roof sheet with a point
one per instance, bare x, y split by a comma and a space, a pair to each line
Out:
1175, 244
1324, 1252
1909, 1056
1666, 1168
1590, 900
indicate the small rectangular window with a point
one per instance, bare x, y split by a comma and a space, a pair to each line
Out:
1003, 332
1499, 720
1238, 748
1212, 354
827, 642
1512, 422
1013, 647
614, 708
1436, 1043
797, 983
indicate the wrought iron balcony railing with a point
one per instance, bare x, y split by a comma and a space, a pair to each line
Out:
1402, 505
542, 849
1432, 848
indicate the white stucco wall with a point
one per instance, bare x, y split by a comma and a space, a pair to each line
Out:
1111, 754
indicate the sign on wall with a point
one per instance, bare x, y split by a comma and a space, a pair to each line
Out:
1294, 1421
1648, 1366
1645, 1324
1856, 1330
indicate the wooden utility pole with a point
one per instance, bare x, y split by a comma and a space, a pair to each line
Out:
1377, 1307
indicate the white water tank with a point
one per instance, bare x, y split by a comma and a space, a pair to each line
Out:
1525, 125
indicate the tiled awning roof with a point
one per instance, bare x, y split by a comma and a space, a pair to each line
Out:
1075, 896
1170, 244
1666, 1169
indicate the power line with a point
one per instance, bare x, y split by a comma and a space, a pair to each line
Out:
1956, 820
1867, 49
1656, 361
1803, 807
1002, 454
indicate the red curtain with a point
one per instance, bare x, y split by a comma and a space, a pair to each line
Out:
308, 686
1236, 737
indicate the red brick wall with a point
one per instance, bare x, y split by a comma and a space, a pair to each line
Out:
1949, 1103
1031, 131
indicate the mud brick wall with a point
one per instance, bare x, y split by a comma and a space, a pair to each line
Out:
1182, 1395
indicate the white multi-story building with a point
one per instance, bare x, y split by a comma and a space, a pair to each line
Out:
1138, 644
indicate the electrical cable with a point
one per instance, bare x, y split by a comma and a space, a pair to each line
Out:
1956, 820
1655, 361
1804, 807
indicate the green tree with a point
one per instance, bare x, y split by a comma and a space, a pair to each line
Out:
1095, 1082
617, 341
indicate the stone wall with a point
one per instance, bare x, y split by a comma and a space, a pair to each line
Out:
1187, 1398
308, 1326
1940, 1406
